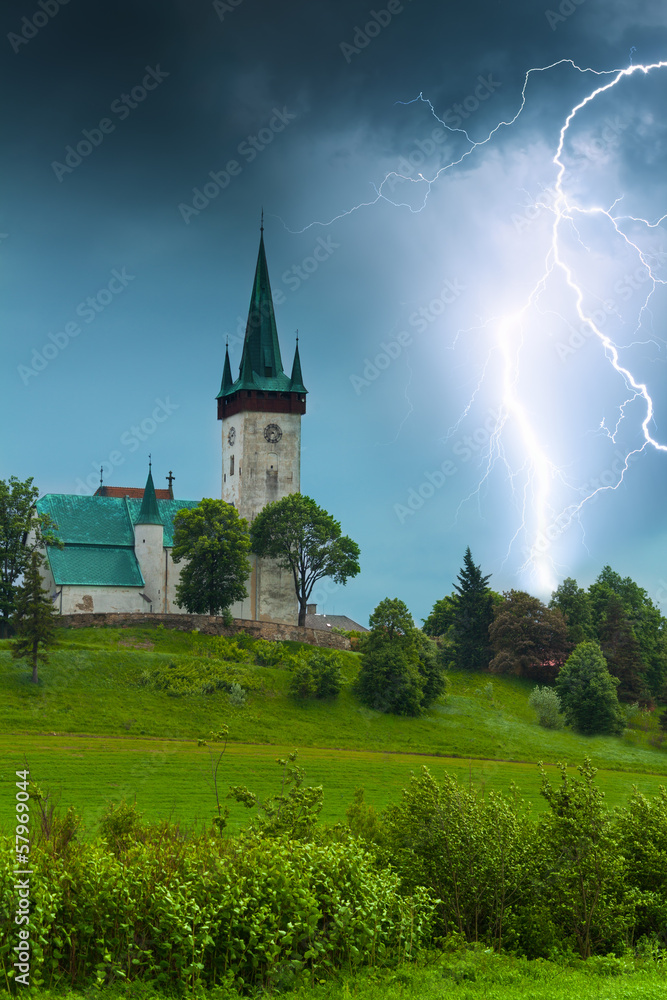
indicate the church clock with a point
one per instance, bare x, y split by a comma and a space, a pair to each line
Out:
272, 433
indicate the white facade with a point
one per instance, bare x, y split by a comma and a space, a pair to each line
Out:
261, 462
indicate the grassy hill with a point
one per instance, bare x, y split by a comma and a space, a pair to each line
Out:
115, 738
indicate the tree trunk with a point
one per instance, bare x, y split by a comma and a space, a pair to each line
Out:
35, 647
302, 614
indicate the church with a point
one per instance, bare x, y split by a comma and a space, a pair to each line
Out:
117, 544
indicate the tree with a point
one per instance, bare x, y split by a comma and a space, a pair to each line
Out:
587, 692
35, 619
389, 678
22, 530
431, 669
473, 614
622, 650
528, 639
214, 542
306, 540
574, 603
441, 618
648, 624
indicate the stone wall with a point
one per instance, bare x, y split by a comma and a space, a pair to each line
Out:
208, 625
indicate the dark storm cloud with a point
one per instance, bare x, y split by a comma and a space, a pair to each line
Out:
302, 96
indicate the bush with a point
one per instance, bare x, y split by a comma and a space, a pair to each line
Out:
236, 696
268, 654
196, 676
546, 703
318, 676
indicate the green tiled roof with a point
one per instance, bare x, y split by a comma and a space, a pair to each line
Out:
98, 533
89, 520
95, 566
261, 365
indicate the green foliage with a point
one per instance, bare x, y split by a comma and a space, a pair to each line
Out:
307, 541
35, 622
587, 692
400, 668
472, 616
293, 812
219, 647
269, 654
622, 650
214, 541
121, 826
197, 914
22, 532
574, 604
583, 880
236, 696
362, 819
316, 675
648, 625
529, 640
196, 676
468, 849
546, 704
441, 619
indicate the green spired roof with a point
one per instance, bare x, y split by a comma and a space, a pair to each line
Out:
297, 377
98, 533
149, 513
261, 365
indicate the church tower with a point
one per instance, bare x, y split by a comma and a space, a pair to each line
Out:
261, 442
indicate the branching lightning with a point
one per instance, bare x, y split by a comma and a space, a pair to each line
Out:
533, 479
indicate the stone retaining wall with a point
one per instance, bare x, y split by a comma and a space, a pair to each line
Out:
208, 625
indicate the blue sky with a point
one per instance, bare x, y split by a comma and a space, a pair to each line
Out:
455, 398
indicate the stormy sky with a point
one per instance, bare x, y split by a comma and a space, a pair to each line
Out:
456, 395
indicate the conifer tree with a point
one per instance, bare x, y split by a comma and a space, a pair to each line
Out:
35, 619
622, 650
473, 613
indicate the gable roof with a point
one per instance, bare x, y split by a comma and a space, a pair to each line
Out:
324, 623
98, 536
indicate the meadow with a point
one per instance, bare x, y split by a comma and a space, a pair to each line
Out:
91, 734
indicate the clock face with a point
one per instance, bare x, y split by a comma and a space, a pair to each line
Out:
272, 433
231, 437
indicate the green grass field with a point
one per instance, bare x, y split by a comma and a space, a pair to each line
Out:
90, 733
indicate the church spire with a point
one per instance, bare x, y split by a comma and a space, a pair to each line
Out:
227, 379
261, 347
297, 377
149, 513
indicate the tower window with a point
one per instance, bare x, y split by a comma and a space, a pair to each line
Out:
231, 466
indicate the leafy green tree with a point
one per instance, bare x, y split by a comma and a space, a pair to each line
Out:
22, 529
213, 540
389, 678
473, 614
587, 692
528, 639
35, 619
431, 669
441, 619
583, 872
307, 541
622, 650
574, 604
400, 669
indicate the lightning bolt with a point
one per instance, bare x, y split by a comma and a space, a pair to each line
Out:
533, 478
